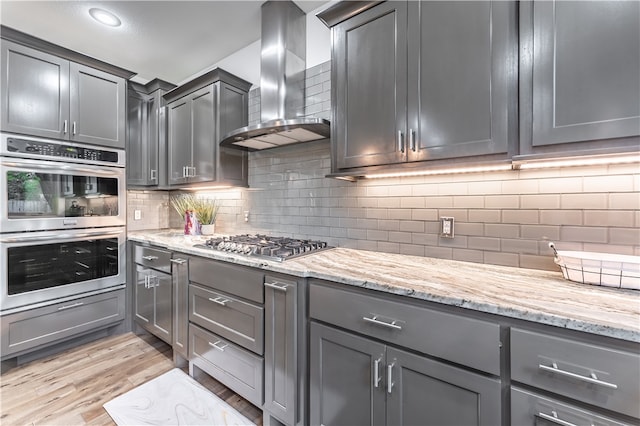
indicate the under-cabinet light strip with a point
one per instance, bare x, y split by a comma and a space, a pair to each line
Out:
578, 161
476, 169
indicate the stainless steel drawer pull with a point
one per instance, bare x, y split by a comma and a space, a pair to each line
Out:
376, 372
412, 140
390, 377
276, 287
219, 301
215, 345
400, 141
391, 324
64, 127
73, 127
178, 261
593, 379
554, 419
75, 305
150, 258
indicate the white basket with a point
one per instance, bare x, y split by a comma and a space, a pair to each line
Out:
606, 269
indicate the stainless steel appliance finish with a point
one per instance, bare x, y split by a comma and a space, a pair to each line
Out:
283, 65
39, 268
47, 185
266, 247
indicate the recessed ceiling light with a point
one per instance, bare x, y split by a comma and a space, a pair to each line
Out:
104, 17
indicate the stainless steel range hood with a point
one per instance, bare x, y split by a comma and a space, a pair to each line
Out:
283, 65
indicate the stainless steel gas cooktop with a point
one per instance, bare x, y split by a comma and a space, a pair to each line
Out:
264, 246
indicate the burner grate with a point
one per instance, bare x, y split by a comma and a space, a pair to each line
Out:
268, 247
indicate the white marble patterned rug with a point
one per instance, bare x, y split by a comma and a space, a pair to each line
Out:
173, 398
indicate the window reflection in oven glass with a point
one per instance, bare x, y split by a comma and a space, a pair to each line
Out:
38, 194
43, 266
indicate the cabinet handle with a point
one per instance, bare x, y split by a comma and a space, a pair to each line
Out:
184, 171
193, 172
375, 320
376, 372
64, 131
75, 305
554, 419
400, 141
73, 128
276, 287
152, 174
217, 300
412, 140
146, 281
390, 377
178, 261
150, 258
593, 379
220, 348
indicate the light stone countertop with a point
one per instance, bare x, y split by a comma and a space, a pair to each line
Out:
539, 296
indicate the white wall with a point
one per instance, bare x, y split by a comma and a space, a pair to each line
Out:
245, 63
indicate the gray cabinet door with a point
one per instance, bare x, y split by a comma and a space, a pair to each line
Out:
163, 305
421, 391
586, 71
143, 297
203, 140
233, 114
345, 388
369, 72
180, 276
97, 102
280, 361
179, 140
462, 78
136, 139
35, 88
152, 146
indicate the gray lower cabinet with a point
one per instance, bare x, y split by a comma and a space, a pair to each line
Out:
400, 95
603, 377
355, 380
198, 113
281, 367
180, 277
146, 142
66, 100
40, 327
153, 291
580, 75
531, 409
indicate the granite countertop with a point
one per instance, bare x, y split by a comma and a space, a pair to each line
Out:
539, 296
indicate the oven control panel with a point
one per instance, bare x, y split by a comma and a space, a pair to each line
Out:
55, 150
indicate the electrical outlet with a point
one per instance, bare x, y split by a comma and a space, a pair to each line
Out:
137, 214
446, 227
246, 215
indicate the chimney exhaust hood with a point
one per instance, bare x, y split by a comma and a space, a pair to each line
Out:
282, 75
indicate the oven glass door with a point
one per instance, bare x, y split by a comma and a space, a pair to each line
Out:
44, 266
41, 195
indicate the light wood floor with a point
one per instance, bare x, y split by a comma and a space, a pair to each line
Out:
69, 388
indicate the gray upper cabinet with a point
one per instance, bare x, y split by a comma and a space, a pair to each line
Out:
198, 114
369, 87
417, 81
580, 80
65, 100
462, 78
146, 141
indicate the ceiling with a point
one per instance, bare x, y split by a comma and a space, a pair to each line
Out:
170, 40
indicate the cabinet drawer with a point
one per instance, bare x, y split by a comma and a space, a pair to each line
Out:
152, 258
431, 332
36, 327
593, 374
237, 280
231, 318
237, 368
528, 409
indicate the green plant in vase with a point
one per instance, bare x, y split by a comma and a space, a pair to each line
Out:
197, 212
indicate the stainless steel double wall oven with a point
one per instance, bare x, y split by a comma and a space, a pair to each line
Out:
62, 221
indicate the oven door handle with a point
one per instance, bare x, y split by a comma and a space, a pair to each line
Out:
57, 237
69, 168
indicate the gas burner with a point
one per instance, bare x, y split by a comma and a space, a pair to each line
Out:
264, 246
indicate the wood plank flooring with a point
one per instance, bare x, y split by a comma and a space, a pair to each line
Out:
70, 388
